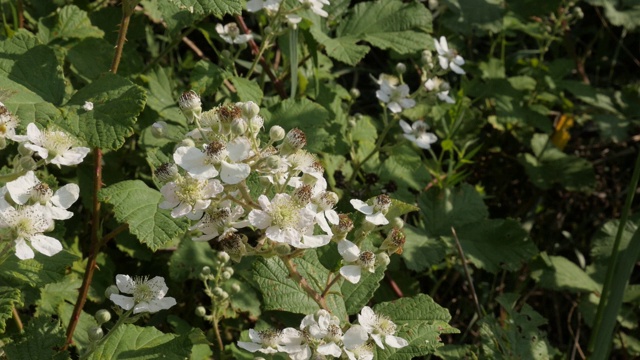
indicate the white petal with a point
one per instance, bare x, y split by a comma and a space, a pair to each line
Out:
234, 173
124, 302
395, 341
70, 157
354, 337
314, 241
394, 107
443, 44
407, 103
444, 62
330, 349
383, 96
430, 84
66, 196
23, 251
181, 210
193, 160
405, 126
42, 152
46, 245
361, 206
239, 149
456, 69
351, 273
125, 283
158, 284
260, 219
155, 305
377, 219
378, 340
348, 250
20, 188
249, 346
332, 216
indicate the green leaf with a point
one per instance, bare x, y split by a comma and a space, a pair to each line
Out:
31, 78
68, 22
54, 294
91, 57
389, 25
405, 167
187, 262
86, 322
444, 208
309, 117
206, 78
217, 8
36, 272
345, 49
420, 250
9, 298
41, 339
358, 295
399, 208
160, 96
495, 245
562, 274
281, 292
464, 16
247, 90
136, 204
117, 102
172, 12
420, 321
133, 342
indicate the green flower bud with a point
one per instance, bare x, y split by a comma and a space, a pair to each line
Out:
27, 163
102, 316
235, 288
24, 151
226, 275
355, 93
383, 258
201, 311
223, 257
276, 133
110, 291
205, 270
159, 129
229, 269
401, 68
95, 333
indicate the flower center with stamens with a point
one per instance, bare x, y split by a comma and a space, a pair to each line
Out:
284, 212
385, 326
269, 338
56, 142
143, 291
189, 190
216, 152
41, 193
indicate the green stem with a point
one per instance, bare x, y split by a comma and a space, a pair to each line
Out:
376, 149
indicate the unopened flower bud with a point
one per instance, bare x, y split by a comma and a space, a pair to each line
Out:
382, 203
201, 311
255, 124
401, 68
23, 150
577, 12
383, 258
206, 271
427, 58
190, 105
27, 163
226, 275
282, 249
110, 291
293, 141
95, 333
397, 223
276, 133
355, 93
102, 316
166, 172
159, 129
235, 288
188, 142
223, 257
229, 269
226, 54
239, 126
394, 242
250, 109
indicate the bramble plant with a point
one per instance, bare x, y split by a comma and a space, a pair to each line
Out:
318, 179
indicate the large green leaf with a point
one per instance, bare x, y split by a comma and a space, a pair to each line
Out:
54, 294
117, 102
160, 96
420, 321
345, 49
358, 295
206, 77
41, 339
309, 117
31, 78
187, 262
420, 250
217, 8
68, 22
136, 204
36, 272
445, 208
9, 297
247, 90
562, 274
136, 343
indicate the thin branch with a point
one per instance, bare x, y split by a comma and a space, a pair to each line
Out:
329, 285
295, 275
394, 286
16, 318
467, 273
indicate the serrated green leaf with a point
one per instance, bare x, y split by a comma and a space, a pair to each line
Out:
206, 77
496, 245
420, 250
309, 117
31, 78
41, 339
68, 22
443, 209
217, 8
563, 274
389, 24
136, 204
358, 295
345, 49
54, 294
399, 208
117, 102
160, 96
137, 343
36, 272
247, 90
9, 298
91, 57
420, 321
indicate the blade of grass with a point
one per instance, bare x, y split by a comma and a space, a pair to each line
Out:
621, 264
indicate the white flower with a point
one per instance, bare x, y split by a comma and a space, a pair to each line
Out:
286, 222
441, 88
373, 215
28, 187
54, 147
324, 327
88, 106
417, 133
294, 343
257, 5
355, 344
234, 171
187, 196
200, 164
448, 58
378, 326
316, 6
264, 341
27, 225
219, 220
231, 34
356, 261
323, 204
148, 295
8, 124
395, 96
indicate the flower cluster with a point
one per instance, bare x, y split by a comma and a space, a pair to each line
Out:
28, 206
321, 336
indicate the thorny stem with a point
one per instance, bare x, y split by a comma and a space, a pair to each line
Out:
265, 65
96, 241
329, 285
295, 275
